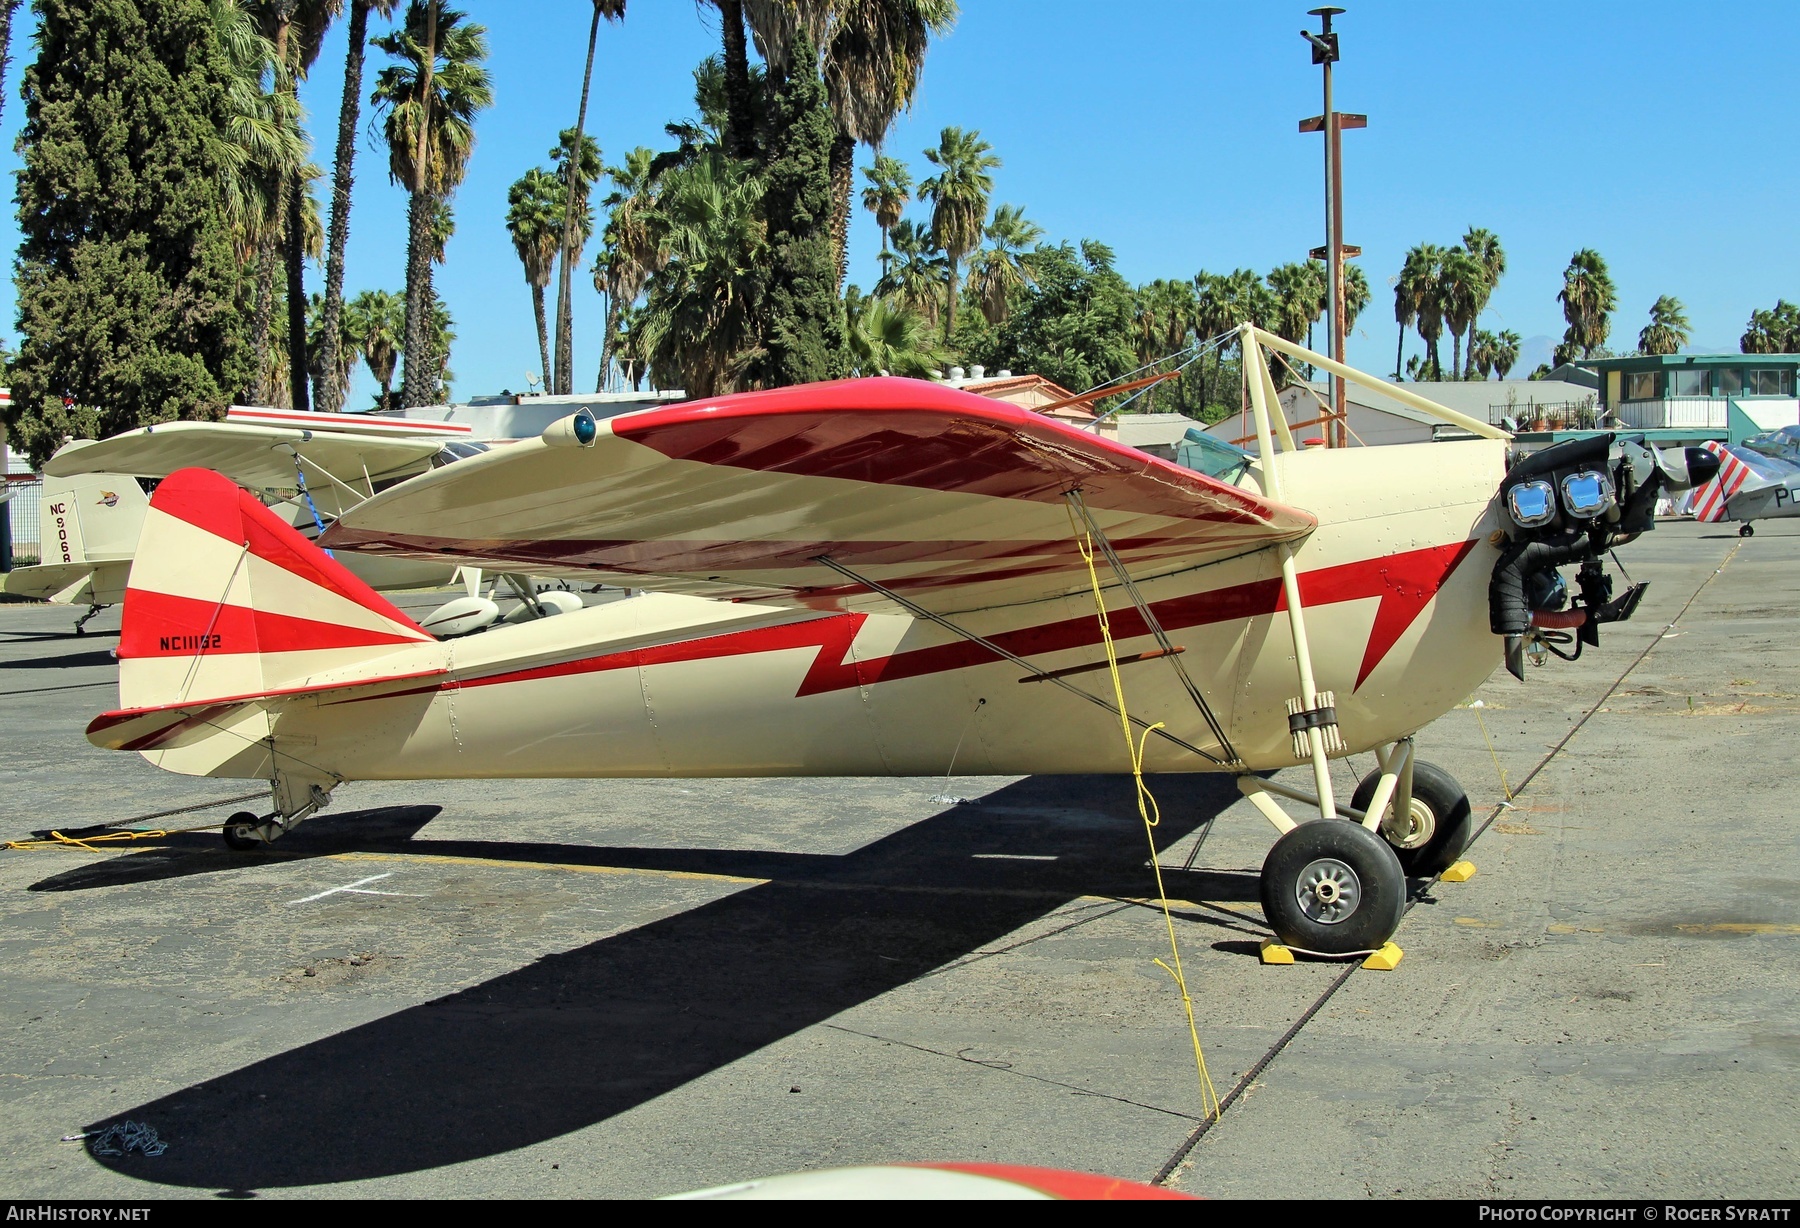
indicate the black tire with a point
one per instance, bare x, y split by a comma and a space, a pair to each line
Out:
1330, 857
1747, 530
1440, 825
237, 832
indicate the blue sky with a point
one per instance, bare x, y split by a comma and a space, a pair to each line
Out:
1167, 129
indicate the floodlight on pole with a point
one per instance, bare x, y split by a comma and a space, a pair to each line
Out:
1325, 53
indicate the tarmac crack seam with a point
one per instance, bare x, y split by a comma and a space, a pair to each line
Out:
1167, 1171
1008, 1068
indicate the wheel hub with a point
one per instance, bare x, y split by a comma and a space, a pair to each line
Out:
1414, 831
1328, 891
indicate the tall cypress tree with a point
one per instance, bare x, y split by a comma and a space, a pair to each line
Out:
128, 290
805, 317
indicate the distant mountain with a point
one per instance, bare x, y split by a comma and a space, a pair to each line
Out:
1534, 352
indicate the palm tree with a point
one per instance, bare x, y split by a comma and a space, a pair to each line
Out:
1000, 270
534, 220
1162, 323
1506, 353
1668, 329
1484, 245
579, 178
259, 148
579, 172
1462, 285
1417, 292
334, 381
889, 339
959, 197
1299, 297
377, 319
1221, 303
740, 108
629, 251
1774, 331
342, 180
1481, 353
871, 53
431, 96
1357, 296
1588, 300
297, 28
699, 327
918, 273
890, 187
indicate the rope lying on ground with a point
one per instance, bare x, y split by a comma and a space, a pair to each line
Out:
107, 833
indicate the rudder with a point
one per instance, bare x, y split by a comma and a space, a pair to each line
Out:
227, 600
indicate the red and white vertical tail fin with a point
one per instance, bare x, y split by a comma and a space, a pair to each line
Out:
1711, 499
226, 600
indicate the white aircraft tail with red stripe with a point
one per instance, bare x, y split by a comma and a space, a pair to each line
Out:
227, 602
1711, 499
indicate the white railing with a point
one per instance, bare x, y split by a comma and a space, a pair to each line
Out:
1707, 412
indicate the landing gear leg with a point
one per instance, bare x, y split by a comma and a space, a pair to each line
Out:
95, 609
1429, 828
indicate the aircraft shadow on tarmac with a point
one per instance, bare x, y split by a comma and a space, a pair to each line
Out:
71, 660
573, 1039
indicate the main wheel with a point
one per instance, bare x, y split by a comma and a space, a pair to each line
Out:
1747, 530
1333, 887
1430, 838
237, 832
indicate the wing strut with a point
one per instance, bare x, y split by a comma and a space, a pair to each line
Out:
919, 611
1163, 642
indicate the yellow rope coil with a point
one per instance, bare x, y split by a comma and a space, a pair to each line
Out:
57, 840
1148, 811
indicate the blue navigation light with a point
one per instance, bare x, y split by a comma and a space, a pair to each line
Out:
586, 429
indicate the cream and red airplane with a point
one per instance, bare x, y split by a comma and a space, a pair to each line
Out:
860, 578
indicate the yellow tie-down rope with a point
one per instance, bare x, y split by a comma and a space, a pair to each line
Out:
1148, 811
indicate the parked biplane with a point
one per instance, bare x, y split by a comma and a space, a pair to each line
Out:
844, 578
308, 467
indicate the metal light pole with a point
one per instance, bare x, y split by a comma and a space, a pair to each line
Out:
1331, 123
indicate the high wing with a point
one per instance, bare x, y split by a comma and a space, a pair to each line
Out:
340, 468
951, 500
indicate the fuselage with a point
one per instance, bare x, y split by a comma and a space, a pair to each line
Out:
1394, 582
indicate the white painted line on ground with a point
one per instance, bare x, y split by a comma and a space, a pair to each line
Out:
357, 888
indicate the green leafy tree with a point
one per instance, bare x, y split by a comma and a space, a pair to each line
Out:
805, 318
1222, 302
890, 188
870, 55
430, 96
1075, 325
1506, 353
127, 281
959, 195
1668, 329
